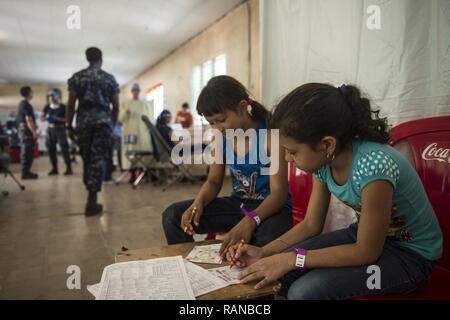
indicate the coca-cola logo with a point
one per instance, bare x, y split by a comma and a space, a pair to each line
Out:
434, 152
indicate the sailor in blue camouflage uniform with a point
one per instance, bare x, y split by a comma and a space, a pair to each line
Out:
26, 121
95, 91
55, 114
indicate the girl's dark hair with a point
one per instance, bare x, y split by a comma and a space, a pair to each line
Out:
315, 110
162, 118
224, 93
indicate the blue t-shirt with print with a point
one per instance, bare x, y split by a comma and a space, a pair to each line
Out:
413, 222
248, 180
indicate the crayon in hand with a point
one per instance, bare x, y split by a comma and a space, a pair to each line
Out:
193, 212
233, 259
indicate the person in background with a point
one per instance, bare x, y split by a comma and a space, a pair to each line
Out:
55, 114
109, 166
2, 132
73, 150
28, 135
73, 143
12, 131
184, 117
117, 140
3, 144
95, 91
162, 124
108, 170
132, 125
11, 122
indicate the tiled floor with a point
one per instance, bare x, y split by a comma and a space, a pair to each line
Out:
43, 230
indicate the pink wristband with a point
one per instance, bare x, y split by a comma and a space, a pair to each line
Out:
251, 214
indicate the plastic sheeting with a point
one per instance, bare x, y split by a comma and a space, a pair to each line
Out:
404, 66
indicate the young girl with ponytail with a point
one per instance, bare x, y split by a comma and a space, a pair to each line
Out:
333, 133
265, 213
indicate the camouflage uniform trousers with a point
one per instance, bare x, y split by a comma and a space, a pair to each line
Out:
57, 135
95, 148
27, 145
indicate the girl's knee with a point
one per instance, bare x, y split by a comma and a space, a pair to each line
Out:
168, 214
300, 293
172, 214
308, 288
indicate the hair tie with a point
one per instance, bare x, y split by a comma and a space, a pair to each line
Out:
343, 89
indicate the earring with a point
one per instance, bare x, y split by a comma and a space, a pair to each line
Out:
250, 110
330, 156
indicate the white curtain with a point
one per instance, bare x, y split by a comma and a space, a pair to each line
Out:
404, 66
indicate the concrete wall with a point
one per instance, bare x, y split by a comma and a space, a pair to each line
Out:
236, 35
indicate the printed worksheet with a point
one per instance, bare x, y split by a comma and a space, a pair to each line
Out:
154, 279
229, 275
205, 254
202, 281
94, 289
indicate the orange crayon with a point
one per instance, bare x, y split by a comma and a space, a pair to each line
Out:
233, 259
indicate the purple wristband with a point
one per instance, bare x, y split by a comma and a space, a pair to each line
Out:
251, 214
300, 260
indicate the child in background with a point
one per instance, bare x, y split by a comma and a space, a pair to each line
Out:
225, 103
333, 133
162, 124
184, 117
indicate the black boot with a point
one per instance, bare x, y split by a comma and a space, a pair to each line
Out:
92, 207
68, 171
29, 176
53, 172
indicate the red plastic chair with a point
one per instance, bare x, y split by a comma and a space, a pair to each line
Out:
300, 186
426, 142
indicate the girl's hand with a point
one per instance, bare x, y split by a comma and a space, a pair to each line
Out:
242, 231
269, 269
186, 223
244, 256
